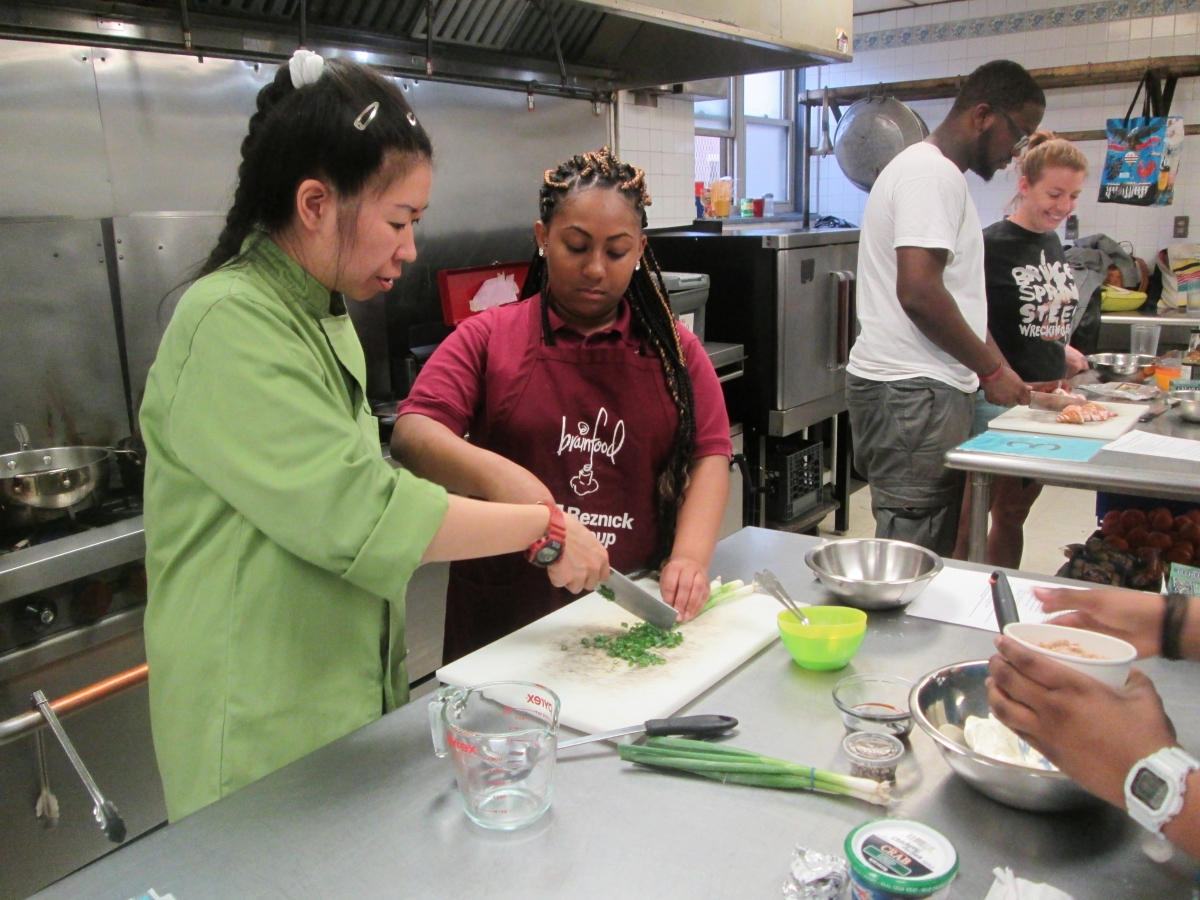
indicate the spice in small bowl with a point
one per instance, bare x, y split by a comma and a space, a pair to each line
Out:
874, 703
873, 755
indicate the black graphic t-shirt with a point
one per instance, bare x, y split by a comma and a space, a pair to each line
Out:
1031, 298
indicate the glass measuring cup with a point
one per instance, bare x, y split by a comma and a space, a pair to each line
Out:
502, 738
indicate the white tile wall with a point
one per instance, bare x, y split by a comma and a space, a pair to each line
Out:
1076, 109
661, 141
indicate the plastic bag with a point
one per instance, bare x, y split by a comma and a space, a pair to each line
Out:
1180, 268
495, 292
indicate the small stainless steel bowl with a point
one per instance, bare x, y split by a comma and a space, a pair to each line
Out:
1119, 366
873, 573
1188, 404
940, 703
876, 703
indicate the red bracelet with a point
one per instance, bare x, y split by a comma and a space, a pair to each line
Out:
993, 376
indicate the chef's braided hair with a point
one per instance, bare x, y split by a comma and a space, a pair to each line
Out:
651, 313
310, 132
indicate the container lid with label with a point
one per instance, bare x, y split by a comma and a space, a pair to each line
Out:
904, 857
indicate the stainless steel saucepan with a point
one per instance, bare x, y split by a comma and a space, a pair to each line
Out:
37, 484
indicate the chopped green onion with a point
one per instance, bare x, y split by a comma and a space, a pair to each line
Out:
635, 645
606, 592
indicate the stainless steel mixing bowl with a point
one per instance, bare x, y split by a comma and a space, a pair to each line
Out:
940, 703
1119, 366
872, 573
1188, 404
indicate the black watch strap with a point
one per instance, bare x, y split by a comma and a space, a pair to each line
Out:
1174, 619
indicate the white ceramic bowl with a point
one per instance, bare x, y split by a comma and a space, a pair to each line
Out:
1117, 654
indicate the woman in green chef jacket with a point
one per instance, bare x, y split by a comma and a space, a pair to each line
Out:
279, 542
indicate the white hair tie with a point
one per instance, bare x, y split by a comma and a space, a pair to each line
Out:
305, 67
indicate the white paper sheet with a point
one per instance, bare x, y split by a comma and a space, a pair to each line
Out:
963, 597
1145, 444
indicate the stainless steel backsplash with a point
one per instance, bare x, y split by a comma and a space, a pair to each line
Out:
150, 142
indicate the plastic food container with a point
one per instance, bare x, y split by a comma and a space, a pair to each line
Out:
873, 756
1108, 658
895, 858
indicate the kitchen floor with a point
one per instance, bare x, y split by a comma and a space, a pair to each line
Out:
1061, 516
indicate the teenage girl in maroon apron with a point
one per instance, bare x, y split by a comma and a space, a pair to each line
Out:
596, 425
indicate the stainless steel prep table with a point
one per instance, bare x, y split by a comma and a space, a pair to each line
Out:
375, 814
1126, 473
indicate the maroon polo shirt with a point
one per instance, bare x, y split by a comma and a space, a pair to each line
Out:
463, 375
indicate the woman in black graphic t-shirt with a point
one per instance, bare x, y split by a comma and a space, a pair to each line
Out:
1031, 299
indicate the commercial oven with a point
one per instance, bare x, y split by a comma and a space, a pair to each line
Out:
788, 295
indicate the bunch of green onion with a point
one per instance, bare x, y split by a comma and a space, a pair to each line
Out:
719, 593
734, 766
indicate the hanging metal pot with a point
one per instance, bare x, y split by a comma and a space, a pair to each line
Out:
870, 134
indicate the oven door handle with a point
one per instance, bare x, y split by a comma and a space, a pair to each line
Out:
847, 317
27, 723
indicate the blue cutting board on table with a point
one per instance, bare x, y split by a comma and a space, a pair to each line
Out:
1042, 446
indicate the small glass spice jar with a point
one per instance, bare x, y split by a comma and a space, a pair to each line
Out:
873, 755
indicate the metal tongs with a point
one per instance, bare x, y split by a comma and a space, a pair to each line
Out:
105, 812
766, 578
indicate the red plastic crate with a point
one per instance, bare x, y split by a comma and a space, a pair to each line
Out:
458, 286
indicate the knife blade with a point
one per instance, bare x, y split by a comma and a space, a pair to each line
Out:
1052, 402
641, 603
687, 726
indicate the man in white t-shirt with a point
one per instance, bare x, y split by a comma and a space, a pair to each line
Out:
924, 349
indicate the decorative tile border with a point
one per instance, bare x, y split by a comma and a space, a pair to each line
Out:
1014, 23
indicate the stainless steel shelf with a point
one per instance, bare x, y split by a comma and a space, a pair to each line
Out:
57, 562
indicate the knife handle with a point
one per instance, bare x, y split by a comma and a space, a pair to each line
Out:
690, 726
1003, 602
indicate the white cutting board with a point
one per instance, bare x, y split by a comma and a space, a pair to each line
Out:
1043, 421
599, 693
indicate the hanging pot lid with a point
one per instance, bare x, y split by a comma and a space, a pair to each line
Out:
871, 133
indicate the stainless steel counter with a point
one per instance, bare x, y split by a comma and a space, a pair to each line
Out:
1171, 319
57, 562
376, 814
1126, 473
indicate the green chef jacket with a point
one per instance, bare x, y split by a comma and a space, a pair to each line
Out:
279, 542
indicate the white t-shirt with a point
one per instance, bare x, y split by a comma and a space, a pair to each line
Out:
919, 200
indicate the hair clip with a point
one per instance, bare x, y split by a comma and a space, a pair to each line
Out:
412, 119
305, 67
367, 116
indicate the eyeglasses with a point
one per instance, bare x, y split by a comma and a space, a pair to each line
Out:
1020, 145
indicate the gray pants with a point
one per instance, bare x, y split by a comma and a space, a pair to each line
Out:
902, 430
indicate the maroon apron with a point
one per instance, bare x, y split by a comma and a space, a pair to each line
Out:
596, 425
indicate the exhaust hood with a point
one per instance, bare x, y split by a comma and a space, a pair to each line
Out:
543, 46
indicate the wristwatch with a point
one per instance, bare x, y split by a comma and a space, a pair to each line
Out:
547, 549
1155, 786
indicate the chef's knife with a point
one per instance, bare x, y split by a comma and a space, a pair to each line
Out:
1156, 409
687, 726
1051, 402
642, 604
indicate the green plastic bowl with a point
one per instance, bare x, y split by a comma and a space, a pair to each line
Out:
830, 642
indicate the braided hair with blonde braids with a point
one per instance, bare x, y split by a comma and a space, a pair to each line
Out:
650, 311
310, 132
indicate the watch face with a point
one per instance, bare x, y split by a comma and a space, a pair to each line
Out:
1150, 789
549, 554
